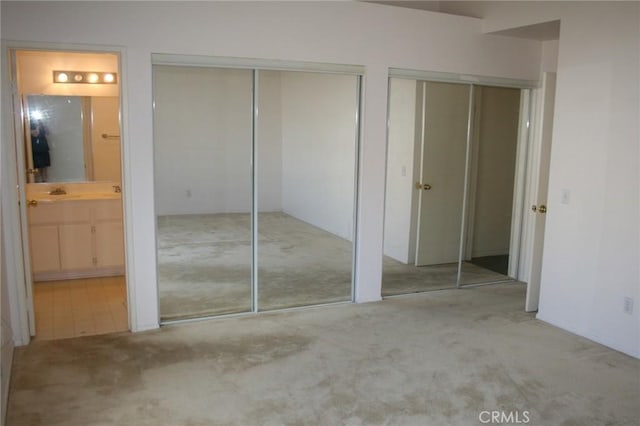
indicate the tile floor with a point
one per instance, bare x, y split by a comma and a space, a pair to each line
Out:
80, 307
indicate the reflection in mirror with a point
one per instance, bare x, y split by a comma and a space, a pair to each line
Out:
425, 185
72, 138
491, 185
203, 192
306, 186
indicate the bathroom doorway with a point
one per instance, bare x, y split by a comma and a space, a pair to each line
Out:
68, 146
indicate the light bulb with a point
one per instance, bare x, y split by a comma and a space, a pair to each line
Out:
108, 78
93, 78
62, 77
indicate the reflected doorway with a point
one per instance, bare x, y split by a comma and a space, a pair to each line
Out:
451, 173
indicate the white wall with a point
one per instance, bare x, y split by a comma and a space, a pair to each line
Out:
375, 36
202, 135
592, 244
319, 148
36, 71
269, 148
400, 171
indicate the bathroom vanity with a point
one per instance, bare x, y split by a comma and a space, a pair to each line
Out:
75, 235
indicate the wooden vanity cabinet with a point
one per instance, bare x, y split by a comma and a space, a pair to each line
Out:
75, 239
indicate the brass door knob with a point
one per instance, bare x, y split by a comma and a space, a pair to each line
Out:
32, 203
426, 187
542, 208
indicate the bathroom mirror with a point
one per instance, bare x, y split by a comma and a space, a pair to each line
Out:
71, 138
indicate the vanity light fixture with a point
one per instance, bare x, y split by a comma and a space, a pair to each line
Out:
85, 77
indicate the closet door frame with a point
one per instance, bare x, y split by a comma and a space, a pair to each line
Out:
257, 65
518, 239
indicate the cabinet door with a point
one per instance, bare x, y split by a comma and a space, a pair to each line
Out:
76, 248
109, 244
45, 254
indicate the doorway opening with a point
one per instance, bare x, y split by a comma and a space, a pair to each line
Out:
454, 184
68, 150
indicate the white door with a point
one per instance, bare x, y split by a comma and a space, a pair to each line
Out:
445, 112
539, 194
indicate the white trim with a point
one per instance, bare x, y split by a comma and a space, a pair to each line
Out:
447, 77
471, 118
253, 63
519, 184
255, 124
356, 199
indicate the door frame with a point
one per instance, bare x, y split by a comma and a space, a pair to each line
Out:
537, 185
15, 223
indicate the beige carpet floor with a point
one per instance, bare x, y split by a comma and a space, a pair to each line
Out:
437, 358
204, 266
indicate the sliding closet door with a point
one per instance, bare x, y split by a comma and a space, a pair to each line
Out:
306, 156
426, 156
203, 190
492, 171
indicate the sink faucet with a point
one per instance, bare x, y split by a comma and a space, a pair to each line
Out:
57, 191
117, 189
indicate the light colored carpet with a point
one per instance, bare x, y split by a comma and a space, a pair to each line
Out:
400, 278
204, 264
438, 358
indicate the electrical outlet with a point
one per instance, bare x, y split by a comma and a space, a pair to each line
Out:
628, 306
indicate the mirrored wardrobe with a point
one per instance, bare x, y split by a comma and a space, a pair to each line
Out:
255, 188
451, 178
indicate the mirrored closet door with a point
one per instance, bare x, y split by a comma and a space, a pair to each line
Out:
254, 187
451, 160
306, 156
203, 190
